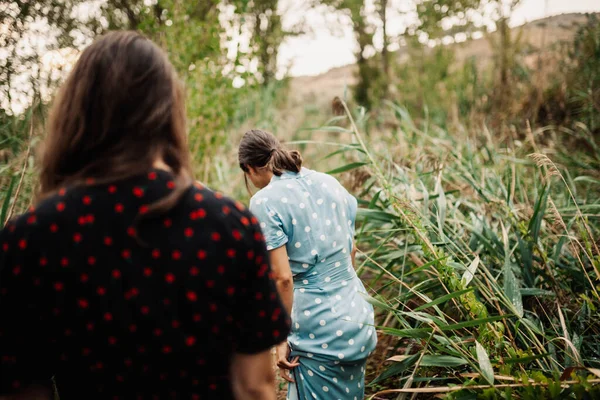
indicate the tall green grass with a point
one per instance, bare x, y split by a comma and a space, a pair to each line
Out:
483, 262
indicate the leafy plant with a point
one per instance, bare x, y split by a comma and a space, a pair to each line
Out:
477, 285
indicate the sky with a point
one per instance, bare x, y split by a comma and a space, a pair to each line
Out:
325, 48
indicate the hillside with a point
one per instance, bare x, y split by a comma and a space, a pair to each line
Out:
542, 33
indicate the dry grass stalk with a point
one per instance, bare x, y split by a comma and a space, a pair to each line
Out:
555, 216
545, 163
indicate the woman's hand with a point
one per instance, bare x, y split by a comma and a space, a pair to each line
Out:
283, 353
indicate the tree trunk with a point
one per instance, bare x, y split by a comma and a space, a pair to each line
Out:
504, 86
385, 56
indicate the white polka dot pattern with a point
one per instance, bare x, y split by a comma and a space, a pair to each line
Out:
313, 216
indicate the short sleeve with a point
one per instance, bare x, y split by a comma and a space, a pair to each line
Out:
270, 223
24, 353
262, 319
352, 205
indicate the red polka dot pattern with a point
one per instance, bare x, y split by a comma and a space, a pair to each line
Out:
130, 307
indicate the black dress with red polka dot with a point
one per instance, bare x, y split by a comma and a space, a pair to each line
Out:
115, 305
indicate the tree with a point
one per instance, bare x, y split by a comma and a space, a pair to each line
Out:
261, 22
267, 36
363, 33
382, 6
434, 15
375, 72
22, 77
506, 48
188, 30
584, 75
574, 94
439, 18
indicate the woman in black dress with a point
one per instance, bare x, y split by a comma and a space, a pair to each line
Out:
127, 280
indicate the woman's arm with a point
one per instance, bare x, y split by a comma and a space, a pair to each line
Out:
275, 240
282, 275
252, 376
252, 365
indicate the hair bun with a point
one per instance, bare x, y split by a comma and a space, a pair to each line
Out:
260, 149
297, 157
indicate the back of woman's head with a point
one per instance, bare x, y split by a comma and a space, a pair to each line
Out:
120, 109
260, 149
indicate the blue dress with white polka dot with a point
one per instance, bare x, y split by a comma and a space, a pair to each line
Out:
313, 215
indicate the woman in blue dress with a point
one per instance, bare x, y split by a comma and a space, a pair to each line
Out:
307, 218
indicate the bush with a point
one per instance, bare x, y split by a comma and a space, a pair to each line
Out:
482, 264
575, 93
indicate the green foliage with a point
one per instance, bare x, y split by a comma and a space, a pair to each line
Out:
373, 73
267, 37
21, 75
424, 81
436, 85
17, 167
508, 66
434, 13
469, 88
474, 274
583, 76
573, 92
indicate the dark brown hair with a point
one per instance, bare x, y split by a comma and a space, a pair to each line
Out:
261, 150
120, 109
